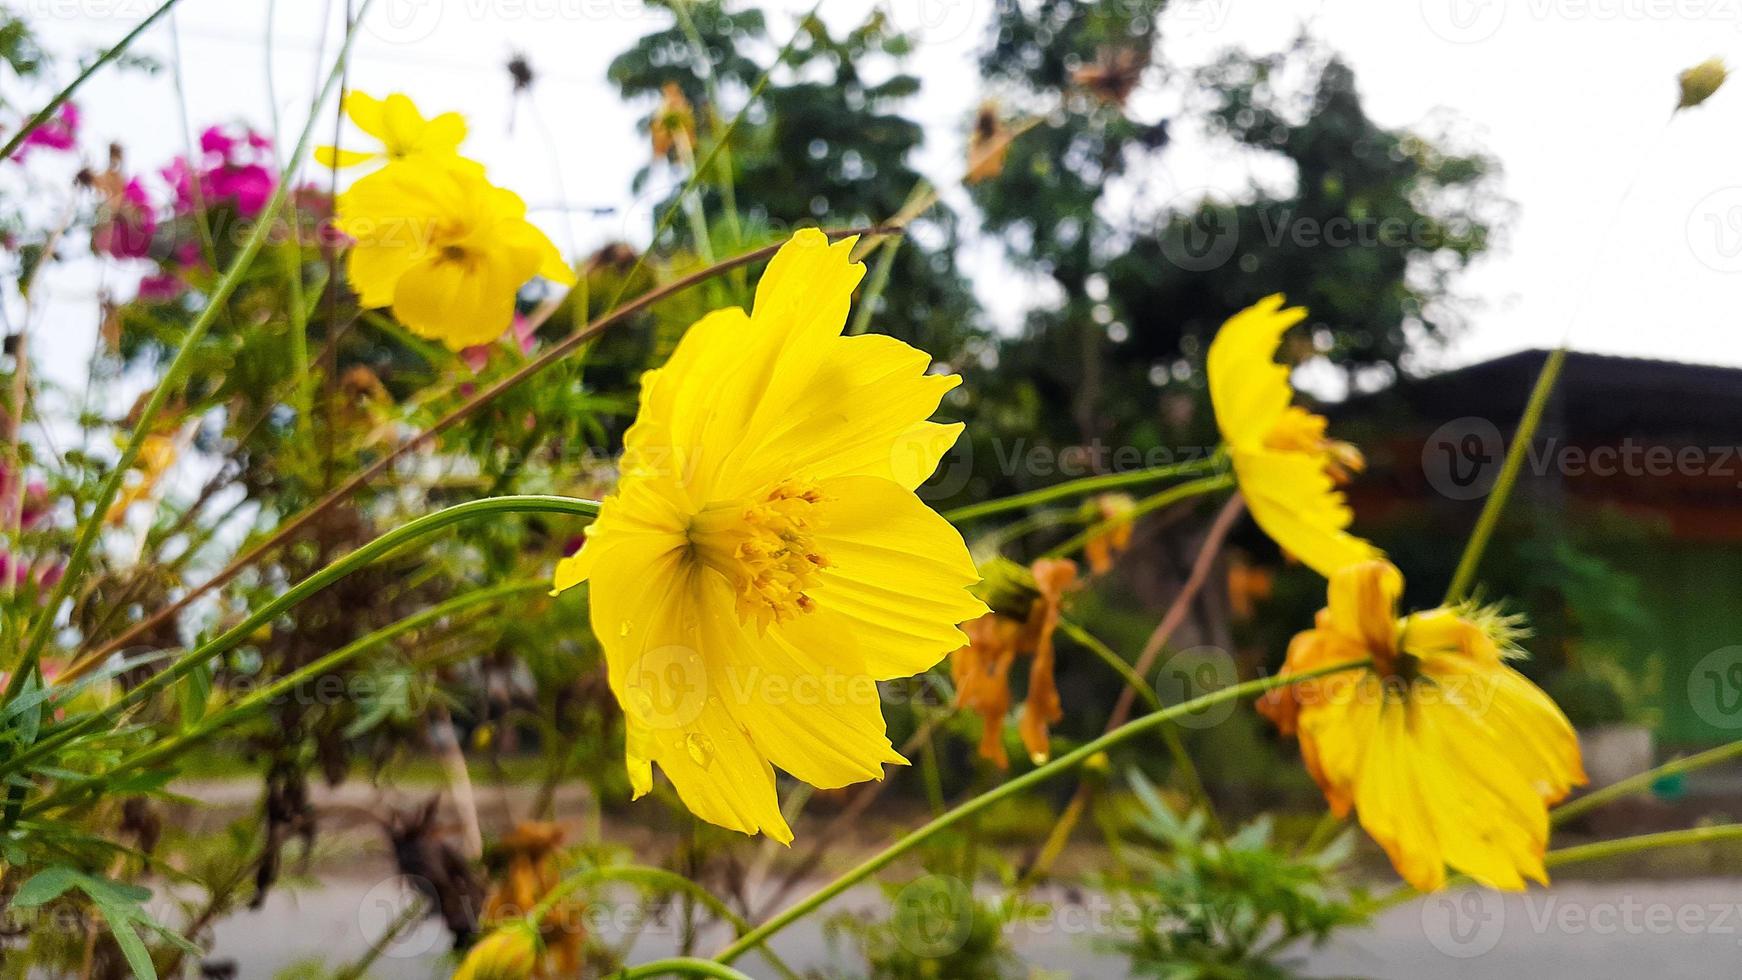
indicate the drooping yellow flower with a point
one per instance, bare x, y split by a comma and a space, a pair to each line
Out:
1448, 755
509, 953
1286, 467
764, 559
403, 131
445, 248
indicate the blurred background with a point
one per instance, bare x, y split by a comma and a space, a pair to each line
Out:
1450, 186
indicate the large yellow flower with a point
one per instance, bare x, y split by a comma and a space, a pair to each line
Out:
445, 248
1447, 754
765, 560
1287, 468
403, 131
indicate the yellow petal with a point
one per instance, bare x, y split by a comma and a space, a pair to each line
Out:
802, 694
572, 571
1295, 503
1363, 603
897, 576
460, 305
366, 112
333, 156
1248, 388
645, 610
861, 411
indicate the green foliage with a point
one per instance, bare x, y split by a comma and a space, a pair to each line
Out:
825, 143
1233, 908
120, 905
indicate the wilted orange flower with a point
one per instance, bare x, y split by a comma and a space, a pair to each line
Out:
1248, 585
1114, 510
988, 145
981, 670
533, 850
673, 123
1114, 73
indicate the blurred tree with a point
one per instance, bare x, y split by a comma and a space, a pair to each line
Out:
1364, 225
825, 143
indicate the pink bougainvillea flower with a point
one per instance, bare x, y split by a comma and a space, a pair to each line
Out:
60, 134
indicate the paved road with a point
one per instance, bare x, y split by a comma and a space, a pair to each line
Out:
1579, 931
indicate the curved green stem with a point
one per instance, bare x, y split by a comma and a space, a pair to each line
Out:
1643, 842
1497, 497
1148, 505
1642, 781
172, 375
64, 94
1176, 746
1033, 777
363, 556
263, 697
682, 966
1078, 488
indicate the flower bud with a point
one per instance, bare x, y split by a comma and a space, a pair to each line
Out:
1699, 82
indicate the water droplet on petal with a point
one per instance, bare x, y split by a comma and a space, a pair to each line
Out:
700, 749
625, 628
642, 702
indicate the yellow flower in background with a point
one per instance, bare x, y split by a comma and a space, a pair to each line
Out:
764, 559
509, 953
1114, 510
1286, 467
445, 248
403, 131
1448, 755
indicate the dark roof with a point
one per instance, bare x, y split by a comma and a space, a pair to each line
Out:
1598, 395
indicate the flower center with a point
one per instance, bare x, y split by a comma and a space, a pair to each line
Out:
766, 549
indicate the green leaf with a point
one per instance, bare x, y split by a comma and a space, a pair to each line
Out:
46, 886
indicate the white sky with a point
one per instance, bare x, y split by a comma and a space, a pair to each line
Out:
1572, 97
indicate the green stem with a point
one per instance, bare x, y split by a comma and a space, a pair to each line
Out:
1164, 499
1064, 763
265, 696
64, 94
1176, 747
879, 281
355, 560
1642, 781
1078, 488
173, 374
1643, 842
682, 966
1515, 455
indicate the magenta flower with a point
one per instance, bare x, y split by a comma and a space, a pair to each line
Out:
126, 229
60, 134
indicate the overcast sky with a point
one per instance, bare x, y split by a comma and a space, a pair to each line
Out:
1572, 96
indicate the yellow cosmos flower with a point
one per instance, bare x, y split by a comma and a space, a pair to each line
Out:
1287, 468
445, 248
403, 131
764, 559
1447, 754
